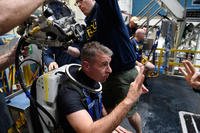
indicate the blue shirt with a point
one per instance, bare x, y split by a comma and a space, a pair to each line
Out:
138, 48
105, 24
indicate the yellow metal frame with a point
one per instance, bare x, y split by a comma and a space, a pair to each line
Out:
159, 62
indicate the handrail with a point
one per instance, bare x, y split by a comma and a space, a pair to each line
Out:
145, 7
146, 12
180, 50
172, 64
150, 17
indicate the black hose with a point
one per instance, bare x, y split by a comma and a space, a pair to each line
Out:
22, 42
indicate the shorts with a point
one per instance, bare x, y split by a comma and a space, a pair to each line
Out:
116, 87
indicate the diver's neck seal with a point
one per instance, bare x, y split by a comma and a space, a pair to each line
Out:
70, 76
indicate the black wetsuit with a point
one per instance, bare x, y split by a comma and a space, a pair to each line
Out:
69, 100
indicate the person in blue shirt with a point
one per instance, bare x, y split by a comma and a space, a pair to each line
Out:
105, 24
55, 57
84, 114
138, 43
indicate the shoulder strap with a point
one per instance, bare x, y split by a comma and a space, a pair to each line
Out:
75, 87
93, 106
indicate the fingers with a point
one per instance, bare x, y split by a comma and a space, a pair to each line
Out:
139, 64
196, 84
136, 86
140, 78
120, 129
137, 68
144, 89
149, 66
135, 89
187, 68
182, 71
190, 66
192, 77
53, 66
141, 69
196, 77
195, 80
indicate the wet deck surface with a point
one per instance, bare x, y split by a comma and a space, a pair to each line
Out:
159, 108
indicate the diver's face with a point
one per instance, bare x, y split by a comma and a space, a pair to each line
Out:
98, 68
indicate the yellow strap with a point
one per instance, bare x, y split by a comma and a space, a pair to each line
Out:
14, 71
35, 30
27, 74
46, 89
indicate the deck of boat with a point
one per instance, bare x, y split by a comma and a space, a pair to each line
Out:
160, 107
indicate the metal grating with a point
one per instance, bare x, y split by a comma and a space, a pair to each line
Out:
193, 13
190, 122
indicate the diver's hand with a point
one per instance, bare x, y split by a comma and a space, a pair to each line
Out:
52, 66
120, 129
136, 87
195, 81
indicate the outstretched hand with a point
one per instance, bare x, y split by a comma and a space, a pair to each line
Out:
191, 76
136, 88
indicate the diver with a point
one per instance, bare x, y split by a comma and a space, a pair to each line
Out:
79, 101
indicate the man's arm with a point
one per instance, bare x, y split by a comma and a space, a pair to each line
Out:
8, 58
112, 12
83, 123
118, 129
15, 12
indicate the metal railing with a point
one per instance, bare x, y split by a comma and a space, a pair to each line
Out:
172, 62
